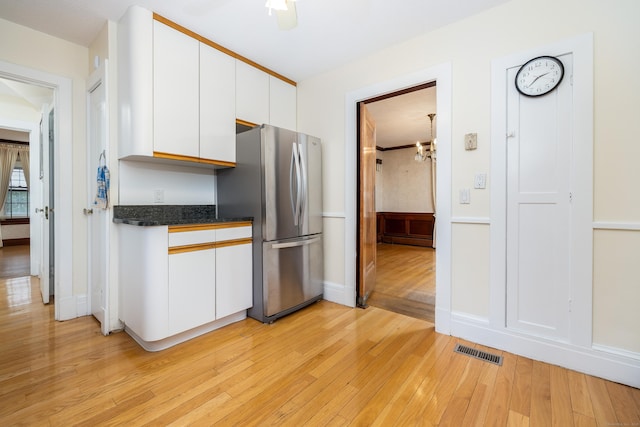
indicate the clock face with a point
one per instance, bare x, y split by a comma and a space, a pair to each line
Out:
539, 76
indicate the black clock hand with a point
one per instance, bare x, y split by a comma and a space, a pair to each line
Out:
536, 79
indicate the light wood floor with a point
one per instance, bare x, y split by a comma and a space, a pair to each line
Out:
324, 365
14, 261
405, 280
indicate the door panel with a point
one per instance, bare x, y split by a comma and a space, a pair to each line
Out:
539, 210
312, 207
279, 183
47, 132
367, 207
98, 216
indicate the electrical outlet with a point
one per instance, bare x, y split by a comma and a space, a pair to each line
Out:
471, 141
158, 196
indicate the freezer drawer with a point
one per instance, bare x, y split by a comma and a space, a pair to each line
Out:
292, 273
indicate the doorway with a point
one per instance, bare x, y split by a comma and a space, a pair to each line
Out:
404, 194
65, 306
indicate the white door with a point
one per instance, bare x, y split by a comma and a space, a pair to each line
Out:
97, 214
45, 203
539, 165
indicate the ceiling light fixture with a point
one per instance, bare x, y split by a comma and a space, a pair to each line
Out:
421, 154
275, 5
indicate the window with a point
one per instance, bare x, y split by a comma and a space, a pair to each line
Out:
16, 204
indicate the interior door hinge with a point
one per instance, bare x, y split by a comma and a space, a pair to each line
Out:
570, 197
571, 80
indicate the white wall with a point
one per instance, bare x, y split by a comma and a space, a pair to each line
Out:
180, 185
470, 46
405, 185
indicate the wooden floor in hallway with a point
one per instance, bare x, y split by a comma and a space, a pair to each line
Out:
325, 365
405, 280
14, 261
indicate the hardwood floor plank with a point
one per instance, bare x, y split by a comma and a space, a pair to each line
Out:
560, 396
580, 400
481, 398
521, 395
623, 403
603, 410
540, 395
498, 410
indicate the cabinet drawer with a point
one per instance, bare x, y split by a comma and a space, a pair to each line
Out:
182, 238
233, 233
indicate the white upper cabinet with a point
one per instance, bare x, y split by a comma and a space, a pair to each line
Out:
179, 97
252, 94
217, 105
175, 92
282, 104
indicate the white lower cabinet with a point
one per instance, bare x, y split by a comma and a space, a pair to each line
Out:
192, 289
179, 282
233, 274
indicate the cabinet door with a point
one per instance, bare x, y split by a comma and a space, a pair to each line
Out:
217, 105
252, 94
175, 92
234, 274
192, 297
282, 104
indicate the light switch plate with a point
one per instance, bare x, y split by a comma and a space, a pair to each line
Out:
471, 141
480, 181
465, 196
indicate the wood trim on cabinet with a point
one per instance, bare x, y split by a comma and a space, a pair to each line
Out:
209, 245
221, 48
209, 226
192, 159
245, 123
191, 248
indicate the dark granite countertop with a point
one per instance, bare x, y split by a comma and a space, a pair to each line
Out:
151, 215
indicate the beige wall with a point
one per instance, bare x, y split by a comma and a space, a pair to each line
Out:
403, 185
470, 46
28, 48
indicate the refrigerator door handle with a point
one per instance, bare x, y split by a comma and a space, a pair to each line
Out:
294, 164
295, 244
304, 187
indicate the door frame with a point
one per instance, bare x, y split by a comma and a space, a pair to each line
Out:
442, 75
97, 78
64, 301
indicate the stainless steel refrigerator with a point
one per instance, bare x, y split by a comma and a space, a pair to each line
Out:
278, 181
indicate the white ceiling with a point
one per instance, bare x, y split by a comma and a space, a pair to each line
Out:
330, 33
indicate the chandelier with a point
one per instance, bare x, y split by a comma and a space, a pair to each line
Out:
421, 153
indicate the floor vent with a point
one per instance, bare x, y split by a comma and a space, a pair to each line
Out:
478, 354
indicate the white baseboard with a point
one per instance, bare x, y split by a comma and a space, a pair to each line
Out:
187, 335
595, 361
339, 294
66, 308
82, 305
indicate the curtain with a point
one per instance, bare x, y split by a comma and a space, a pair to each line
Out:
24, 160
8, 156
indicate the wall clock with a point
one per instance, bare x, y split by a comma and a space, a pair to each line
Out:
539, 76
